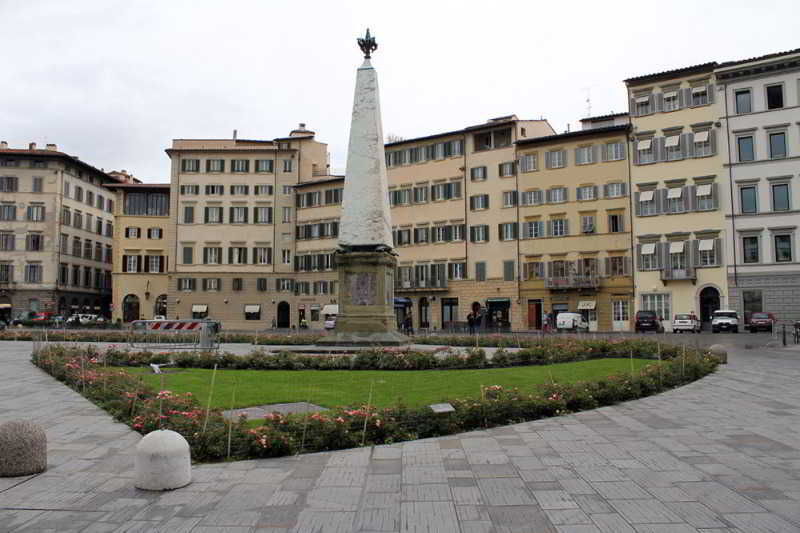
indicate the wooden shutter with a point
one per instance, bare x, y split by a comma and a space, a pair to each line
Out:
633, 107
472, 203
549, 228
690, 198
596, 191
714, 196
138, 263
579, 194
710, 92
147, 263
659, 148
639, 257
162, 266
687, 145
717, 252
124, 263
566, 226
206, 215
712, 141
624, 189
635, 153
607, 266
658, 102
605, 191
664, 261
686, 95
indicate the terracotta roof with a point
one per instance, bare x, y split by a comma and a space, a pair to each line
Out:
574, 134
759, 58
53, 154
332, 179
669, 74
600, 118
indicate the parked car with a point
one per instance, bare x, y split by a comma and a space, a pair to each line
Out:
685, 322
42, 316
725, 320
648, 321
759, 321
571, 322
159, 317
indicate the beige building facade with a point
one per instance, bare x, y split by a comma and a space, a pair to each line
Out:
56, 234
679, 192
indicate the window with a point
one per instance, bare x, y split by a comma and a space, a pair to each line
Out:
617, 266
421, 235
240, 190
492, 139
479, 201
587, 192
35, 213
705, 197
215, 165
286, 257
699, 96
642, 105
774, 96
109, 205
34, 242
287, 190
87, 249
783, 248
215, 190
237, 284
186, 284
130, 263
188, 214
188, 255
101, 202
262, 215
401, 237
534, 270
89, 222
98, 227
702, 143
619, 311
616, 223
645, 150
7, 241
77, 220
240, 165
211, 284
777, 145
509, 198
213, 215
480, 271
671, 101
615, 190
508, 231
752, 302
108, 254
334, 196
262, 255
615, 151
479, 233
583, 155
508, 270
780, 197
706, 253
558, 227
263, 190
420, 194
63, 274
76, 274
400, 197
76, 246
506, 169
647, 203
89, 197
286, 214
675, 201
155, 263
749, 199
6, 273
587, 224
673, 147
743, 101
456, 271
212, 255
648, 258
9, 184
287, 165
527, 163
238, 215
237, 255
750, 249
38, 184
446, 191
132, 233
190, 165
745, 147
154, 233
658, 302
556, 159
109, 229
532, 229
33, 273
66, 187
190, 190
251, 312
531, 198
261, 284
557, 195
449, 311
79, 193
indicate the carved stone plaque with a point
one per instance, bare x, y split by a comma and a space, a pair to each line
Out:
362, 287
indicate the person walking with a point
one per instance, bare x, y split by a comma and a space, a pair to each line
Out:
471, 323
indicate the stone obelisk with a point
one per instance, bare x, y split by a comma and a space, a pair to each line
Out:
365, 260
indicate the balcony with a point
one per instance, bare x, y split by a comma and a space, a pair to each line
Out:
683, 274
419, 285
572, 282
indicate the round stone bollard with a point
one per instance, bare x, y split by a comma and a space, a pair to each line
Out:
720, 352
163, 461
23, 449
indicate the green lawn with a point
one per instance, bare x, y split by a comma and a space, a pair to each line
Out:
330, 388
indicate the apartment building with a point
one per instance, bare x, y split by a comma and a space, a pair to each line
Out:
452, 224
56, 228
573, 205
233, 213
761, 109
679, 188
143, 251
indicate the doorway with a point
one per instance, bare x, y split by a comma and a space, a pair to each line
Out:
160, 308
424, 313
534, 314
284, 318
130, 308
498, 314
709, 302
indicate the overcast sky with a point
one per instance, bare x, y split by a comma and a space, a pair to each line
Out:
114, 82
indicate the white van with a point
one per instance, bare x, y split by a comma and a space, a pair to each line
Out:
329, 314
571, 322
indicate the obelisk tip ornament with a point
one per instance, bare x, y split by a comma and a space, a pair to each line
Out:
368, 44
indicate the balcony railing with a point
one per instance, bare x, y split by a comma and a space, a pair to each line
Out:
419, 284
689, 274
572, 282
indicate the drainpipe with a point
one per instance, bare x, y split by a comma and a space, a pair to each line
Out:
730, 185
629, 142
176, 216
518, 261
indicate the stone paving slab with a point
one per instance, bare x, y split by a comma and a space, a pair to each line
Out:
719, 455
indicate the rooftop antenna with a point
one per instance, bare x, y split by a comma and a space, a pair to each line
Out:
588, 101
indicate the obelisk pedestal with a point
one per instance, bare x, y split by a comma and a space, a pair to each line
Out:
365, 260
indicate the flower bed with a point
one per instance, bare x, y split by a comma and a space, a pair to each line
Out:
130, 401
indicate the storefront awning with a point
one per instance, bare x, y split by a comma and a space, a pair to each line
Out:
252, 308
498, 301
330, 309
676, 247
649, 248
199, 308
401, 302
706, 245
5, 306
646, 196
586, 305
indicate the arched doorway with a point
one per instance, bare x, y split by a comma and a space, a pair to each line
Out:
709, 302
160, 307
424, 313
283, 315
130, 308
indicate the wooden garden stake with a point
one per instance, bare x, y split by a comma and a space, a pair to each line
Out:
210, 393
366, 413
232, 414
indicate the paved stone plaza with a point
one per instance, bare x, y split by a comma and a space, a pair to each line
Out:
719, 455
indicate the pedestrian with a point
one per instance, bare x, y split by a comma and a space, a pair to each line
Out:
274, 324
471, 323
546, 325
409, 325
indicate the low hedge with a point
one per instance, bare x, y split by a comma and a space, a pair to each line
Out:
125, 336
130, 401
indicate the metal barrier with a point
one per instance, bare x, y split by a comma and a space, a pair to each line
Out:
174, 334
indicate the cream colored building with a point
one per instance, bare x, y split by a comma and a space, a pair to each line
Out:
143, 251
233, 215
679, 189
56, 227
574, 224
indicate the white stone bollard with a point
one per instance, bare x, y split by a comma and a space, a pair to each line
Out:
23, 448
163, 461
720, 352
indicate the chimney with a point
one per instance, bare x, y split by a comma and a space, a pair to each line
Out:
52, 147
234, 135
32, 146
3, 145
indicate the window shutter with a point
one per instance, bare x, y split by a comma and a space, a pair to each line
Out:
635, 154
515, 197
549, 228
685, 94
712, 141
472, 203
626, 266
549, 196
660, 198
230, 215
687, 145
162, 264
710, 91
245, 215
604, 152
718, 251
621, 222
660, 143
596, 153
714, 196
206, 215
472, 234
693, 254
690, 198
205, 285
658, 102
624, 189
138, 263
607, 266
639, 257
566, 227
664, 261
579, 194
547, 162
230, 255
549, 269
633, 107
147, 263
124, 263
566, 158
596, 191
515, 230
